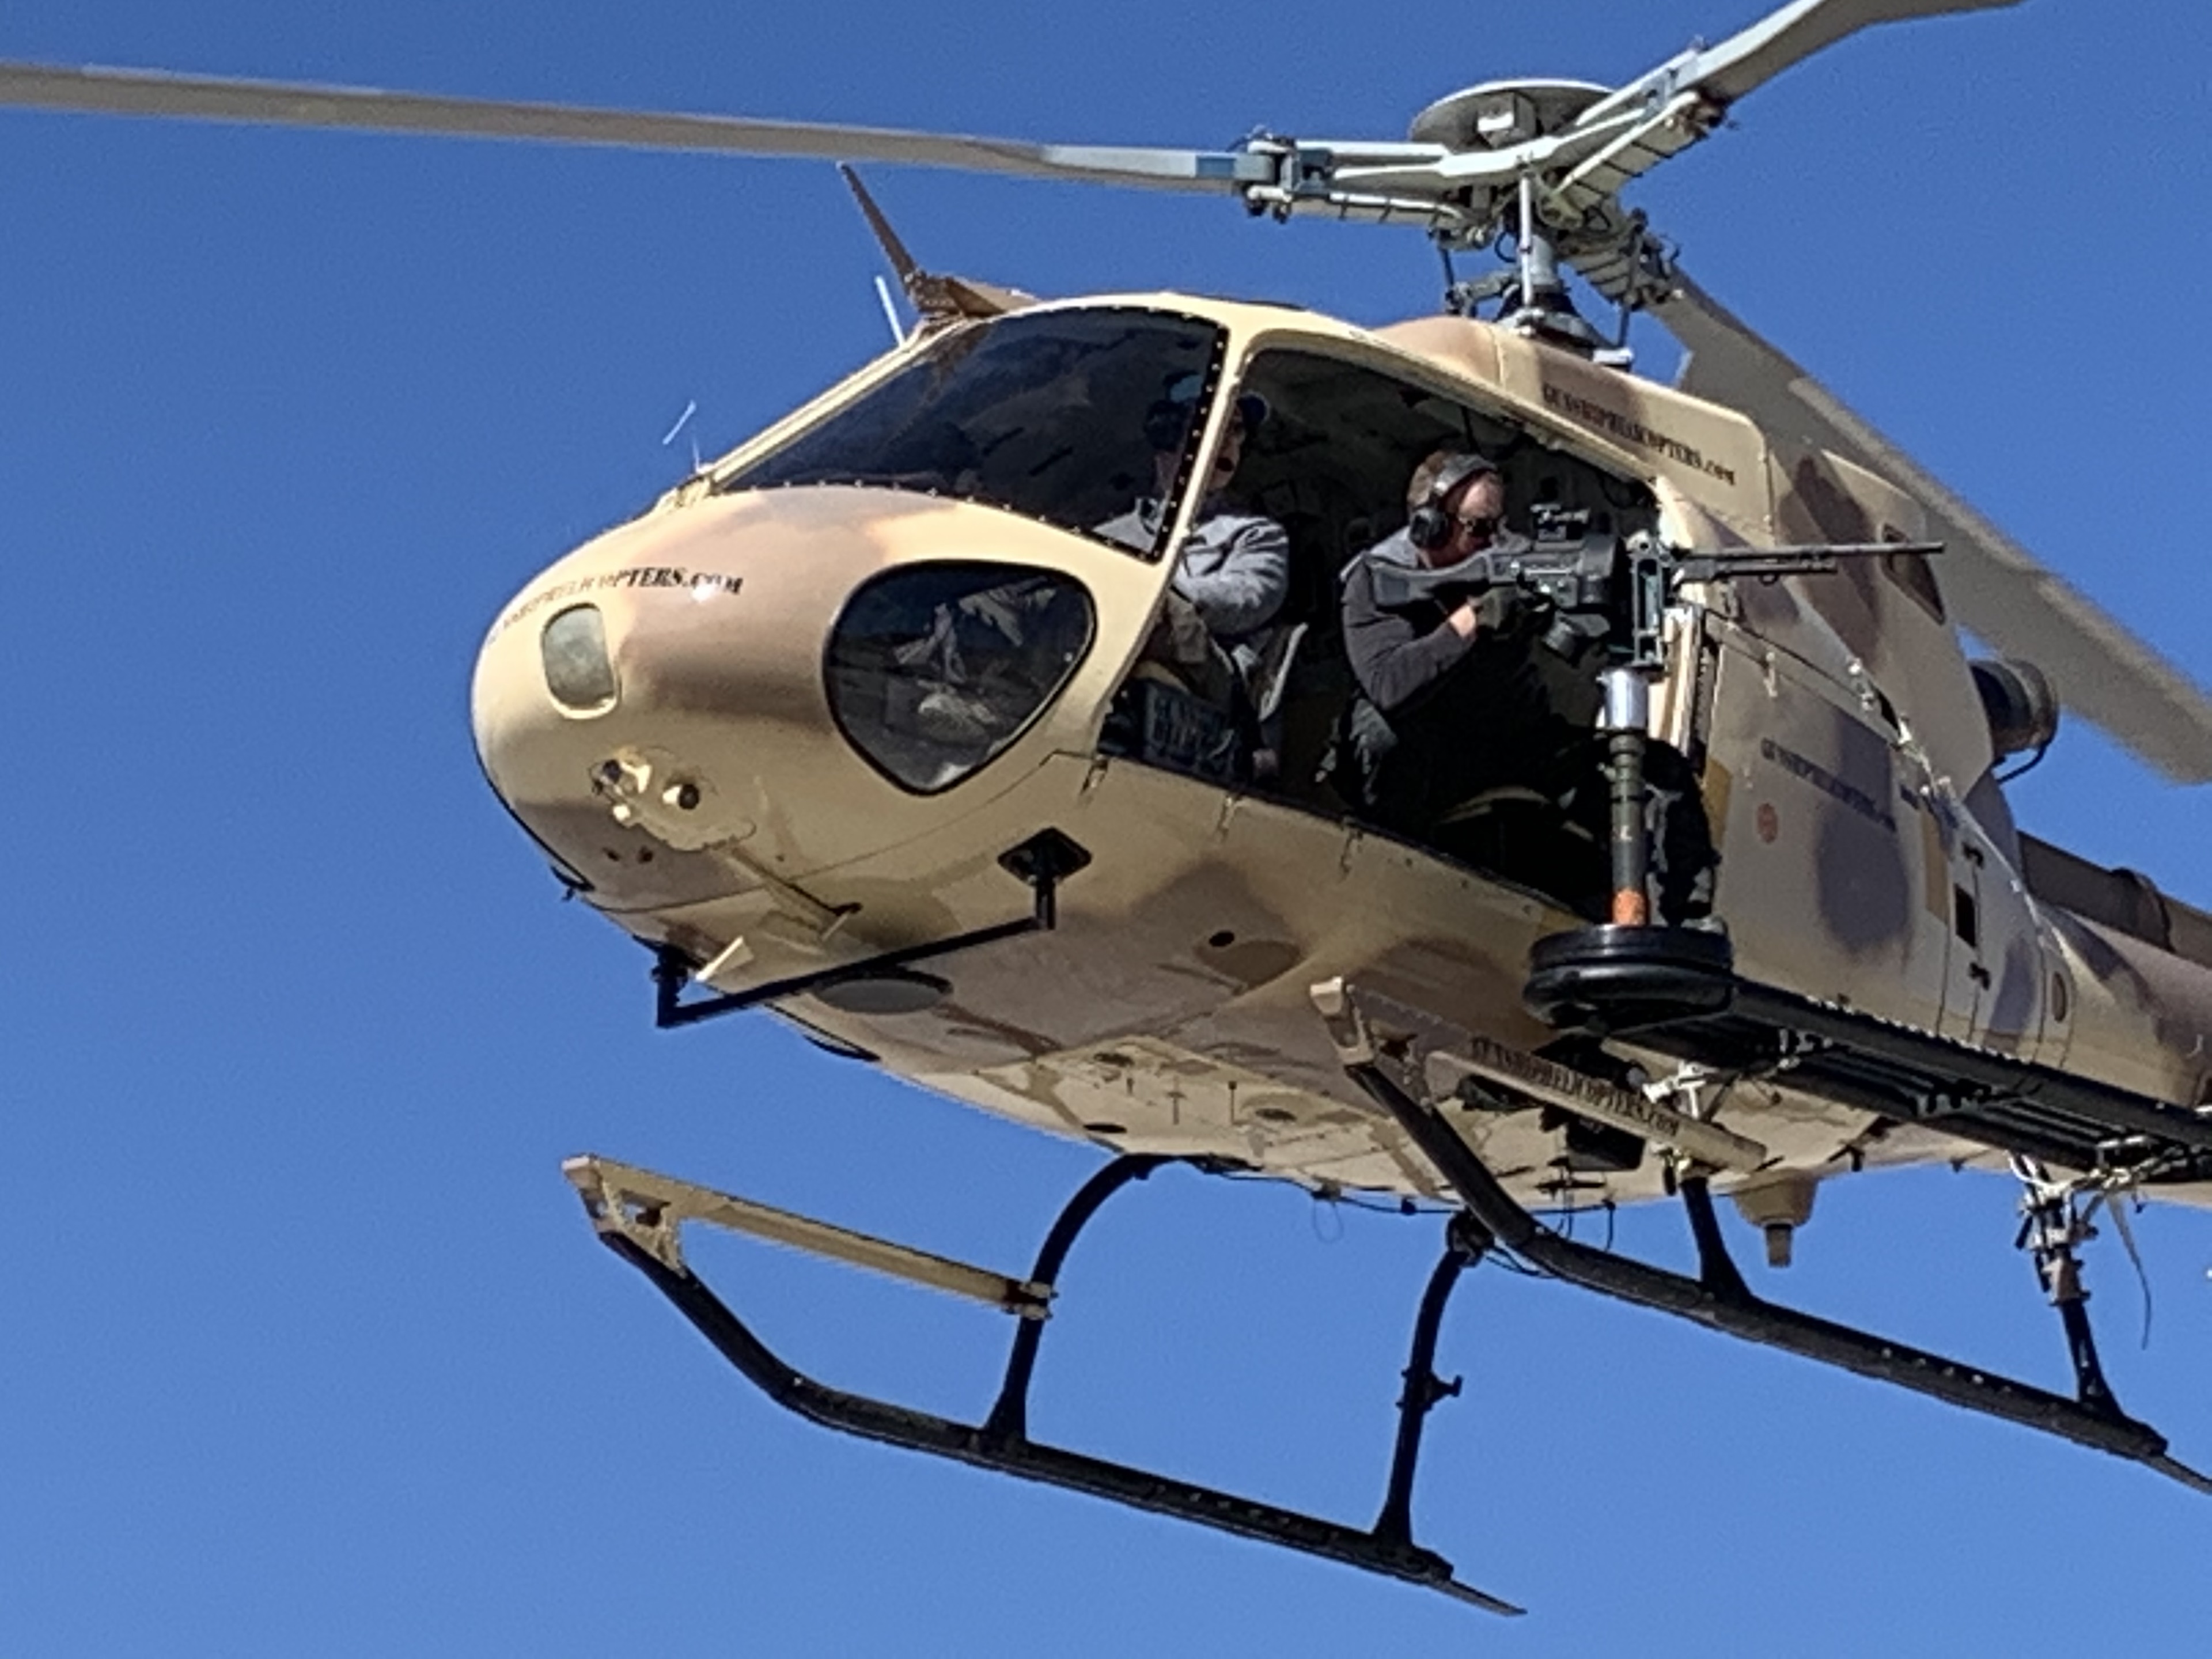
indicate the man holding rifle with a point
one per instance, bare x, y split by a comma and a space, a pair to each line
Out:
1448, 704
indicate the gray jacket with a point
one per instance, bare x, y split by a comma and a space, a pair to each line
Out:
1234, 568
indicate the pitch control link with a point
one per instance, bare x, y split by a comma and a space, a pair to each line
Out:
637, 1214
1390, 1074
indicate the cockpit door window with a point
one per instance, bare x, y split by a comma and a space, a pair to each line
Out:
1056, 414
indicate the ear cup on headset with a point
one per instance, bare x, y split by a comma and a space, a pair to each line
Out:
1429, 526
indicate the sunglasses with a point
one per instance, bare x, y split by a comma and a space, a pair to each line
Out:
1485, 526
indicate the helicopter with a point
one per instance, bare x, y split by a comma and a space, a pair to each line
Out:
1349, 1087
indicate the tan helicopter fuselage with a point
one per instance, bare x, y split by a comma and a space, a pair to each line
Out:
703, 794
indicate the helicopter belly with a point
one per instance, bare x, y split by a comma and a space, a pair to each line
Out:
1170, 1009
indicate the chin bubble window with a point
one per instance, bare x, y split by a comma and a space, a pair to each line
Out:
934, 669
574, 647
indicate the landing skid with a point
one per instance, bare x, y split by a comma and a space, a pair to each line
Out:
637, 1213
1390, 1071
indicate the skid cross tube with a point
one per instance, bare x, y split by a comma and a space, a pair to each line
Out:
1465, 1244
1002, 1443
1718, 1299
1009, 1419
2051, 1231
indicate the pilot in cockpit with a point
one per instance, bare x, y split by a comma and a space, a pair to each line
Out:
1233, 571
1446, 705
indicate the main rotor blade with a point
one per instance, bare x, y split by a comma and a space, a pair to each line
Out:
1751, 57
1673, 106
204, 98
1992, 584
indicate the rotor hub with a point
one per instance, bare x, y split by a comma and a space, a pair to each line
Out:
1497, 114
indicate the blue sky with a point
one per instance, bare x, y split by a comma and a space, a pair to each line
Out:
308, 1347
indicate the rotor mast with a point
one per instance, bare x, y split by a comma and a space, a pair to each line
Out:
1516, 117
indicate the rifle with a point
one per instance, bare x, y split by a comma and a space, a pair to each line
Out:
1597, 584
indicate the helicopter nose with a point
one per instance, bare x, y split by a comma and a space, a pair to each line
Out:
750, 689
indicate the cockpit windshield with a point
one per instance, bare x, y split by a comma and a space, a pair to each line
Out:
1070, 416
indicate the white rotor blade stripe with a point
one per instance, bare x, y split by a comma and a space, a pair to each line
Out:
1992, 585
136, 92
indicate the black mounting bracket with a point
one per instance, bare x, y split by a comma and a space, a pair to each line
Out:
1676, 989
1042, 862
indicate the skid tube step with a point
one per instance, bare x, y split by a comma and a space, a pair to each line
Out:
637, 1214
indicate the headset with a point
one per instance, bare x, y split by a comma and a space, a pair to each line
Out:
1166, 425
1167, 422
1430, 526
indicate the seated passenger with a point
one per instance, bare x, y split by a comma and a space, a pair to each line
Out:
1233, 571
1447, 704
